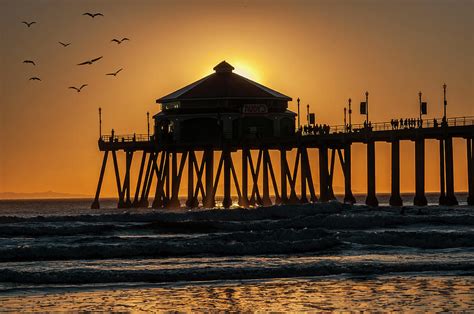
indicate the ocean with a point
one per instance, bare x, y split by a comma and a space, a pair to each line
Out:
60, 255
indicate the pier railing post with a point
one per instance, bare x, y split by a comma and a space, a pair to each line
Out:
371, 199
420, 198
395, 198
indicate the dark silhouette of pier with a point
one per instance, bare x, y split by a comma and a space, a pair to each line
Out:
225, 113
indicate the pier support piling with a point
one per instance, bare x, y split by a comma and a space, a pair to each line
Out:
442, 171
450, 197
244, 199
283, 174
470, 171
136, 200
266, 188
209, 161
323, 174
95, 203
348, 196
395, 198
371, 199
420, 198
227, 201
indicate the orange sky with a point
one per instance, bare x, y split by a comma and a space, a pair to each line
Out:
321, 51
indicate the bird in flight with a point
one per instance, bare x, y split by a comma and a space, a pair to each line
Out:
93, 15
118, 41
78, 89
115, 73
90, 61
29, 61
28, 23
64, 45
35, 78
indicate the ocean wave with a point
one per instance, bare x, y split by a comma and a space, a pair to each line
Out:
321, 268
332, 216
416, 239
63, 229
242, 243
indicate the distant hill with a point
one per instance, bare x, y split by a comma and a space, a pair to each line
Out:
35, 195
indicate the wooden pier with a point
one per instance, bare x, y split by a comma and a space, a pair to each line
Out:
163, 165
208, 121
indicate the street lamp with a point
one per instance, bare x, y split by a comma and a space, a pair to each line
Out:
307, 113
367, 107
148, 123
445, 102
345, 123
298, 101
350, 113
100, 122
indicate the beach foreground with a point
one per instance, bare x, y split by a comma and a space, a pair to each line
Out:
300, 257
407, 292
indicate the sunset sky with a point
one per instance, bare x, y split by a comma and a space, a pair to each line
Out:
320, 51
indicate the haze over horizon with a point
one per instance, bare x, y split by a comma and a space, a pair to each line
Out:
323, 52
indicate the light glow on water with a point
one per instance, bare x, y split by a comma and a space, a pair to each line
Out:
387, 293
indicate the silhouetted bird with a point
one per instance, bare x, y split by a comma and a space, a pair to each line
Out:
63, 44
93, 15
78, 89
34, 78
29, 61
115, 73
118, 41
28, 24
90, 61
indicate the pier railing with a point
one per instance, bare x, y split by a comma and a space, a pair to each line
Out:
333, 129
386, 126
126, 138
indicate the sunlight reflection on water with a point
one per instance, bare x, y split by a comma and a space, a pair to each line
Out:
428, 292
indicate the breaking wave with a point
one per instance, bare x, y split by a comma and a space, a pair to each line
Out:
323, 268
325, 230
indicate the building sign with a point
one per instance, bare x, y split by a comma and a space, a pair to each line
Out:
254, 108
171, 105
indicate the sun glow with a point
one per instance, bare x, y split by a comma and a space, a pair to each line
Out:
246, 70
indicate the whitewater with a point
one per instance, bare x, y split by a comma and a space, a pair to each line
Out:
70, 251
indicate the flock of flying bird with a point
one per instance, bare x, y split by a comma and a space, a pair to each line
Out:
87, 62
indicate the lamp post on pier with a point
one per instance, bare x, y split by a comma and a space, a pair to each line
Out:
345, 123
350, 113
100, 122
148, 124
419, 96
367, 107
445, 103
307, 114
298, 102
364, 109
